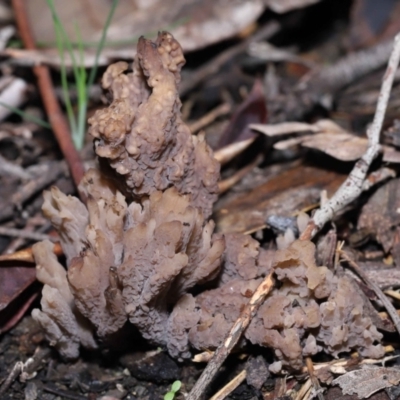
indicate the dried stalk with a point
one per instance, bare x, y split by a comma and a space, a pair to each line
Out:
385, 301
20, 233
214, 65
353, 185
53, 110
230, 386
232, 338
314, 379
27, 256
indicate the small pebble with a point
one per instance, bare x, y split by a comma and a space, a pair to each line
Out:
139, 391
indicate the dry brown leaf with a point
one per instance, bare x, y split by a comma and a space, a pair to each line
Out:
252, 110
290, 143
283, 193
391, 155
381, 214
368, 380
13, 281
343, 146
326, 136
383, 275
288, 128
284, 128
282, 6
194, 24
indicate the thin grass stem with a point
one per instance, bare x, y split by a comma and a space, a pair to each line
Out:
26, 116
102, 42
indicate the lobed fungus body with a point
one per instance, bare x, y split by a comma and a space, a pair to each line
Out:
141, 133
310, 310
144, 239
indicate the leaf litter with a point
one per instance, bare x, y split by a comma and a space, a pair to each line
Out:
257, 220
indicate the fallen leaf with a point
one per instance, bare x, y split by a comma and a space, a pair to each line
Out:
282, 6
282, 193
368, 380
252, 110
194, 24
284, 128
13, 281
342, 146
382, 213
326, 136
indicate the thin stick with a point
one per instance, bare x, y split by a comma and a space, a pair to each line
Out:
353, 185
25, 370
230, 386
227, 183
214, 65
314, 379
26, 255
304, 390
207, 119
227, 153
386, 303
54, 113
19, 233
232, 338
63, 393
12, 376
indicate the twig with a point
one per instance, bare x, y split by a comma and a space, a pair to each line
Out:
320, 85
63, 393
25, 369
386, 303
54, 113
353, 185
33, 363
227, 153
232, 338
227, 183
393, 293
11, 169
48, 174
350, 68
230, 386
207, 119
20, 233
304, 390
12, 376
26, 255
314, 379
214, 65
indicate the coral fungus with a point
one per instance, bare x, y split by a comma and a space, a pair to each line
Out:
144, 239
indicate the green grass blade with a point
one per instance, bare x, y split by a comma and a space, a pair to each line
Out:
83, 94
64, 80
100, 47
27, 116
64, 38
82, 84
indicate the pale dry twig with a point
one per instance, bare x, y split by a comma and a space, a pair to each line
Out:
232, 338
353, 185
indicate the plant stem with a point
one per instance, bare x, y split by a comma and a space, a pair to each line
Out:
56, 117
